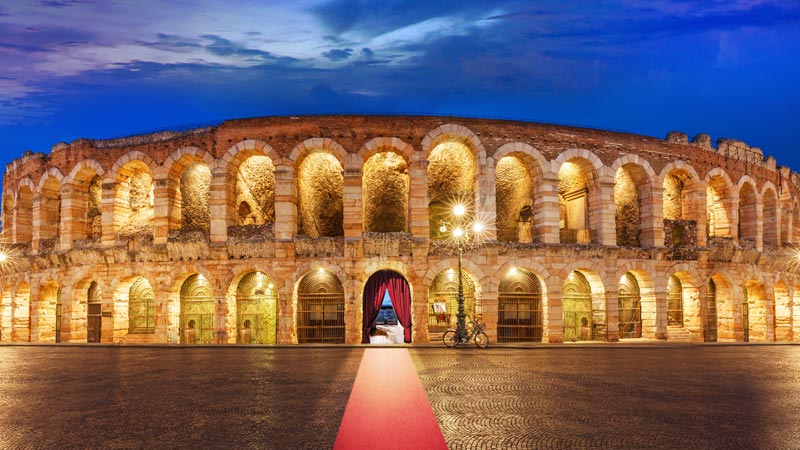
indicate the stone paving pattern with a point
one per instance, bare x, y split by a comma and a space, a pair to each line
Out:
682, 397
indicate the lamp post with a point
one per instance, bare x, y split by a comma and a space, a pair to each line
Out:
460, 236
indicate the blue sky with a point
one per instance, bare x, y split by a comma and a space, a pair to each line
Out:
100, 69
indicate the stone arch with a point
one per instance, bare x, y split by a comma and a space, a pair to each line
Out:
197, 309
320, 195
648, 310
452, 178
86, 311
9, 207
729, 313
46, 313
48, 205
316, 145
84, 217
579, 196
133, 309
250, 169
453, 132
583, 305
128, 157
521, 308
6, 313
23, 213
784, 330
770, 221
385, 188
683, 303
634, 202
519, 176
134, 195
747, 211
252, 298
21, 312
720, 198
757, 315
386, 144
188, 189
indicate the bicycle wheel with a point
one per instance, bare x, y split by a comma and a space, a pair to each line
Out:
450, 339
481, 340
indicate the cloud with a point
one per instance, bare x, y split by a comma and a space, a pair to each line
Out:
59, 3
338, 54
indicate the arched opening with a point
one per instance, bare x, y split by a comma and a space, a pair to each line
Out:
193, 198
255, 191
21, 314
783, 313
6, 314
321, 188
133, 200
514, 194
519, 307
87, 198
8, 216
256, 310
451, 177
94, 313
630, 307
711, 312
141, 308
197, 311
748, 222
387, 309
630, 189
23, 216
385, 193
770, 222
50, 209
755, 313
674, 301
573, 202
718, 197
680, 211
320, 308
47, 313
443, 302
729, 314
576, 297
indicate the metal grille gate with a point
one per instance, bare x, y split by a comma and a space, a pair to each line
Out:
256, 310
197, 311
674, 301
94, 314
630, 308
519, 308
320, 309
141, 308
577, 300
711, 322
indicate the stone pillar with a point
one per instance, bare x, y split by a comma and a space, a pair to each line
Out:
602, 213
37, 223
612, 315
285, 203
161, 205
6, 324
352, 203
660, 288
217, 204
699, 199
554, 312
759, 223
486, 209
652, 218
221, 329
107, 238
418, 199
71, 221
545, 210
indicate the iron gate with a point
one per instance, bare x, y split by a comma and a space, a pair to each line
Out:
630, 308
519, 310
256, 314
320, 309
577, 301
197, 311
711, 318
141, 308
94, 315
674, 301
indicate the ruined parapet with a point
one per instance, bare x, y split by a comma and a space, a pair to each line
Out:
676, 137
150, 138
731, 148
702, 140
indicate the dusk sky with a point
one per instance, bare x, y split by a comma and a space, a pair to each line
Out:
102, 69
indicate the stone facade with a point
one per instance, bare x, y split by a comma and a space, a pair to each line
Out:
620, 235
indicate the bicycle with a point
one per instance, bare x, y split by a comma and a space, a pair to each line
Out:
451, 336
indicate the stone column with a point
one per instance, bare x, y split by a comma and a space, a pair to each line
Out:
37, 223
759, 223
486, 209
418, 199
602, 212
554, 312
161, 204
612, 315
217, 204
285, 203
545, 210
652, 218
71, 222
107, 218
352, 202
660, 288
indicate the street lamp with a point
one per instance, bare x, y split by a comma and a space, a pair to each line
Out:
459, 236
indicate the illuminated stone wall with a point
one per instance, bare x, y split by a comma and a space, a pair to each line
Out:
275, 199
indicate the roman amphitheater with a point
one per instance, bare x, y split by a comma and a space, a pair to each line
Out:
285, 230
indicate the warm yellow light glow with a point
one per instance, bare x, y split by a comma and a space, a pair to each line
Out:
270, 286
3, 257
321, 270
512, 271
477, 227
459, 210
442, 229
458, 232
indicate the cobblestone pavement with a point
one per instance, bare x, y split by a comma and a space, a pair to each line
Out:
648, 397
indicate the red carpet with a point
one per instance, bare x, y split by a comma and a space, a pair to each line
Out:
388, 408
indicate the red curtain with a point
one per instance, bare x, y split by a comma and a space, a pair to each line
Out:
400, 293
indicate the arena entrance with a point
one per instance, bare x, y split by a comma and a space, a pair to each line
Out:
443, 302
577, 300
320, 309
519, 310
630, 308
197, 311
256, 310
94, 314
387, 309
711, 312
141, 308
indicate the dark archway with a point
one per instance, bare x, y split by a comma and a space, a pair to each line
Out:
399, 292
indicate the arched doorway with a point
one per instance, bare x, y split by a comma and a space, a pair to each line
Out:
320, 309
519, 309
382, 317
577, 301
197, 311
94, 314
630, 307
711, 312
256, 310
443, 302
141, 308
674, 301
